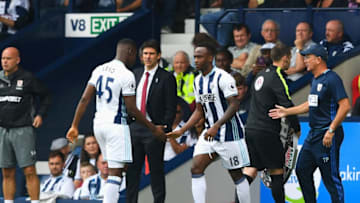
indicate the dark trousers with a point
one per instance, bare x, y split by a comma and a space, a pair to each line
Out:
144, 143
312, 155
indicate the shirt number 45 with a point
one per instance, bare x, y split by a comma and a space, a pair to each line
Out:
100, 91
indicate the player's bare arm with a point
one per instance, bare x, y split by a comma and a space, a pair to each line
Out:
280, 111
195, 117
88, 94
230, 111
130, 103
344, 108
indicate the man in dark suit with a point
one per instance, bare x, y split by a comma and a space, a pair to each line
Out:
156, 98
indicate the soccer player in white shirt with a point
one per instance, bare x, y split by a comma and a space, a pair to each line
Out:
114, 87
215, 93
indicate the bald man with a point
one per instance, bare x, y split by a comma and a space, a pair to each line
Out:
114, 87
336, 42
18, 89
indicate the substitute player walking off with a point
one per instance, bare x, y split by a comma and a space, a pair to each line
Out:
215, 93
114, 86
327, 105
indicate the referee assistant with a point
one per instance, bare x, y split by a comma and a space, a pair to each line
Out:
262, 132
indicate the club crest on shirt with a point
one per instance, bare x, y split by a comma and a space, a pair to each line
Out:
259, 83
319, 87
132, 86
19, 85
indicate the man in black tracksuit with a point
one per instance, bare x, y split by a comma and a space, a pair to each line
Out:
262, 132
18, 90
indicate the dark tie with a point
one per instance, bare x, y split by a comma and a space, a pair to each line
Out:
143, 95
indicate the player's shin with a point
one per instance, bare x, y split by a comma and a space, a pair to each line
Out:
112, 188
198, 188
243, 190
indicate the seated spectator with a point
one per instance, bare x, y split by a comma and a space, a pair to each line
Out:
86, 170
336, 43
224, 59
243, 46
14, 15
303, 40
355, 89
180, 144
57, 185
89, 153
327, 3
243, 96
270, 32
262, 61
353, 3
277, 4
71, 158
127, 5
184, 74
93, 187
223, 30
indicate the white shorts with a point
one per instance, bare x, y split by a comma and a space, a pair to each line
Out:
115, 143
234, 154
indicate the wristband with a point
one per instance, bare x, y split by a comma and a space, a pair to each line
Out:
331, 130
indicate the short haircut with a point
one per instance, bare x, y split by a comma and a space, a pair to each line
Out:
279, 51
241, 26
152, 43
277, 26
87, 164
309, 25
57, 153
184, 54
239, 79
226, 52
127, 41
209, 46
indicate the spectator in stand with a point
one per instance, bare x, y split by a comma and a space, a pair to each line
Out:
355, 96
243, 46
93, 187
224, 59
277, 4
336, 42
14, 15
175, 146
127, 5
270, 32
184, 74
243, 96
57, 185
262, 61
353, 3
71, 158
327, 3
89, 153
86, 170
303, 40
223, 30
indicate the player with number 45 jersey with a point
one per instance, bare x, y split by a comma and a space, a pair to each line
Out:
114, 87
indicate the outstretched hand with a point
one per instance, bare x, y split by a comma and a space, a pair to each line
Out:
72, 134
174, 134
278, 112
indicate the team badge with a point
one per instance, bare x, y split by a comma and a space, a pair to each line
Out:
132, 86
259, 83
19, 84
319, 87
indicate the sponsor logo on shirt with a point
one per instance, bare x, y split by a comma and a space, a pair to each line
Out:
206, 98
14, 99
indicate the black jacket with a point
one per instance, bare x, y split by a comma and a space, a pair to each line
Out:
18, 93
269, 88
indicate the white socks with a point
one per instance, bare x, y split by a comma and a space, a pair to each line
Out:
112, 188
243, 190
8, 201
198, 188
